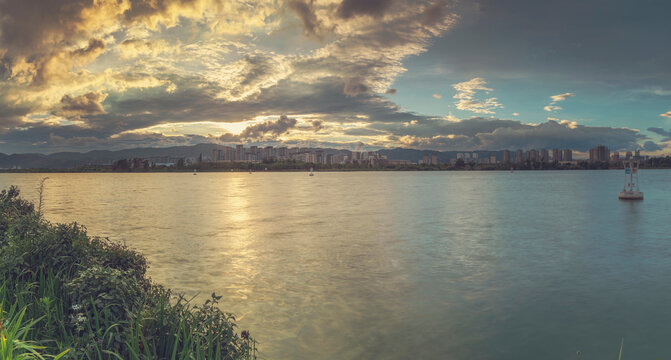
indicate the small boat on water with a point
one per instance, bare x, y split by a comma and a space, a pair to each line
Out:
631, 190
312, 172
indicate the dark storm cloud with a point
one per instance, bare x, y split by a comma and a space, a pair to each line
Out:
494, 134
352, 8
11, 116
94, 46
619, 41
256, 70
435, 13
428, 127
554, 135
390, 91
28, 26
355, 86
662, 132
317, 125
370, 59
651, 146
73, 141
312, 26
135, 109
228, 138
273, 128
363, 132
86, 104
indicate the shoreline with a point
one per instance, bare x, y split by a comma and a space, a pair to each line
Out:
73, 171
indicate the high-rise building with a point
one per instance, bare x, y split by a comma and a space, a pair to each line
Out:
616, 156
637, 155
229, 153
506, 156
628, 155
426, 159
532, 155
282, 153
434, 159
268, 153
519, 156
567, 155
556, 155
215, 155
239, 153
544, 155
599, 153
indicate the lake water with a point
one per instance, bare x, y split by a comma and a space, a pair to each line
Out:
400, 265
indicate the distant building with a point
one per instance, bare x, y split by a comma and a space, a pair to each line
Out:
567, 155
434, 159
544, 155
532, 155
615, 157
628, 155
506, 156
399, 162
268, 153
426, 159
599, 153
518, 156
556, 155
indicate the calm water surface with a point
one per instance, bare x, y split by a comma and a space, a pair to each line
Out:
401, 265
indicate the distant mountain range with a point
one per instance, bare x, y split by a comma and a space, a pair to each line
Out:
69, 160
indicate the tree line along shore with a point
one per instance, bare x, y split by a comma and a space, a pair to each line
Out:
67, 295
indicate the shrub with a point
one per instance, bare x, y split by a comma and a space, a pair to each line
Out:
118, 256
92, 296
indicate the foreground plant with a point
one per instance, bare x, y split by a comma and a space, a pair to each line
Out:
13, 333
92, 299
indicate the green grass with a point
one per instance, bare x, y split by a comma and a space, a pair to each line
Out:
64, 292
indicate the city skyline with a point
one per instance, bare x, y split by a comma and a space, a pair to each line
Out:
431, 74
214, 153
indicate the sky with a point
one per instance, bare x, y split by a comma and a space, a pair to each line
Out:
79, 75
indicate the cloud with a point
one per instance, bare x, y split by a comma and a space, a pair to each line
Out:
374, 8
390, 91
249, 76
312, 26
131, 48
651, 146
495, 134
272, 128
73, 141
561, 97
466, 92
662, 132
317, 125
86, 104
229, 138
437, 96
516, 114
355, 86
435, 13
666, 114
555, 99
